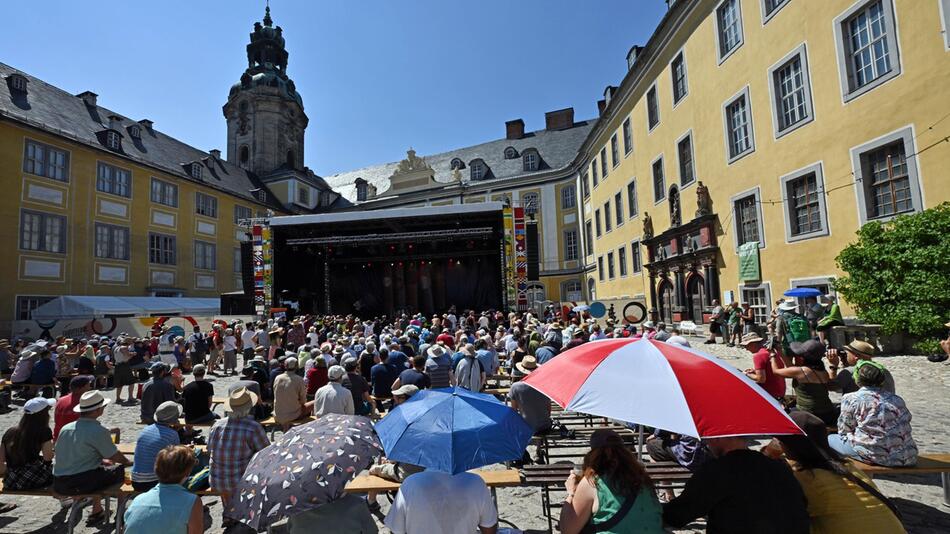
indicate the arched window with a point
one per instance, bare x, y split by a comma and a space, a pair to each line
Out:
244, 155
591, 289
457, 164
674, 201
478, 169
291, 160
530, 161
511, 153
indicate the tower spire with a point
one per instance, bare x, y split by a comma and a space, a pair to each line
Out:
267, 19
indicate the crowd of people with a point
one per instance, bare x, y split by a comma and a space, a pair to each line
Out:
311, 366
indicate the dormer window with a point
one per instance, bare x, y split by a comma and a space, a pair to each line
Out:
195, 171
135, 131
261, 195
530, 161
362, 188
325, 198
511, 153
457, 164
303, 195
18, 82
113, 140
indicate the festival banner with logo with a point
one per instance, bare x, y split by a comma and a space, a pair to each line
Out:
749, 262
258, 261
267, 256
509, 222
521, 259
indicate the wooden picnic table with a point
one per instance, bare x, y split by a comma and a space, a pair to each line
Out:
128, 449
494, 479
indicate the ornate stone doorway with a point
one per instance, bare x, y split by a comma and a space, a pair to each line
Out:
696, 298
667, 301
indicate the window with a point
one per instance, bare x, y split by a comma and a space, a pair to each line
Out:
759, 301
610, 266
945, 18
653, 108
303, 195
738, 123
530, 202
614, 151
888, 190
805, 204
684, 149
135, 131
635, 262
866, 40
206, 205
245, 156
632, 198
597, 222
242, 212
622, 260
568, 197
748, 218
511, 153
362, 191
112, 242
571, 291
204, 255
600, 268
593, 171
237, 260
161, 249
589, 239
477, 170
728, 28
678, 71
113, 141
114, 180
608, 222
603, 163
164, 193
791, 92
195, 170
457, 164
42, 232
627, 136
659, 181
18, 82
618, 207
770, 8
326, 198
25, 305
45, 160
530, 161
570, 245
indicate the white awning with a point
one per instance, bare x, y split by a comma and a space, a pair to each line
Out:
83, 307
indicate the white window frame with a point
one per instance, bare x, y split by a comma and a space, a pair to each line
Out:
195, 170
588, 238
110, 183
636, 257
727, 125
692, 159
108, 249
303, 194
755, 192
681, 55
572, 291
611, 268
633, 205
530, 161
598, 228
32, 302
788, 206
568, 197
571, 244
604, 168
656, 103
768, 15
593, 173
659, 194
625, 129
843, 49
531, 203
600, 269
618, 209
113, 140
240, 213
41, 160
776, 95
164, 189
608, 221
622, 261
165, 255
759, 286
477, 170
913, 172
614, 150
205, 255
723, 55
18, 82
945, 22
205, 203
42, 232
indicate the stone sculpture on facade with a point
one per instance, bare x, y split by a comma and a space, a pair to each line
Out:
647, 226
703, 200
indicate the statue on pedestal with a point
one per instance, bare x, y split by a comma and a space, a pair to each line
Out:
647, 226
703, 200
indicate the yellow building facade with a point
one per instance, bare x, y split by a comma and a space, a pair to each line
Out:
802, 119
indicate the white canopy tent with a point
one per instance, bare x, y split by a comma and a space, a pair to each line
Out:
82, 307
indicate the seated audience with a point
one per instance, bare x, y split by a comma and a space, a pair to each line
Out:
316, 376
348, 515
439, 364
333, 397
156, 391
363, 403
761, 371
470, 372
24, 366
423, 505
415, 376
810, 380
533, 405
197, 398
290, 395
855, 352
167, 508
64, 414
26, 450
151, 440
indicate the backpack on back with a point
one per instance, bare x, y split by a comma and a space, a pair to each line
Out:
796, 330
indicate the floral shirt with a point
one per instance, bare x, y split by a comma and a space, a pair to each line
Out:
877, 424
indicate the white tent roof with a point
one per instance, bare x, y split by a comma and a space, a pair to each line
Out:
81, 307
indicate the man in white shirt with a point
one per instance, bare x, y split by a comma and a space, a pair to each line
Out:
333, 397
248, 342
431, 501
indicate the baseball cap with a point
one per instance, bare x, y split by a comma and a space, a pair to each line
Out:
38, 404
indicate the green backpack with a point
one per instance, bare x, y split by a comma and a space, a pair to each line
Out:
796, 330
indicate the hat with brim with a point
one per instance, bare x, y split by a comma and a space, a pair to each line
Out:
240, 398
648, 324
947, 325
168, 412
406, 390
436, 351
861, 348
527, 364
90, 401
751, 337
338, 350
788, 305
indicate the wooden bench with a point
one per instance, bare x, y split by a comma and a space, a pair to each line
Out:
498, 478
31, 388
271, 425
182, 423
128, 449
926, 464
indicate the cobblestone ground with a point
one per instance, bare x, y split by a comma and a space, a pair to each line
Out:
923, 385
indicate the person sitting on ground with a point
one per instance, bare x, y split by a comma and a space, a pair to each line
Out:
156, 391
874, 426
232, 442
415, 376
810, 380
363, 403
290, 395
316, 377
761, 370
470, 374
151, 440
26, 450
438, 366
840, 497
333, 397
613, 493
740, 490
197, 398
422, 505
64, 414
167, 508
855, 352
78, 467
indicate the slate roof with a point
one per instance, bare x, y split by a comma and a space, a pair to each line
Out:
52, 109
557, 149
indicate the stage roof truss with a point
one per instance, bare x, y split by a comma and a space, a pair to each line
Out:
400, 237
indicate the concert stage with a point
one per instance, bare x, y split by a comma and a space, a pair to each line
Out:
382, 262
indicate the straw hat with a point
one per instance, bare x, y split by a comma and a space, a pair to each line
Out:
338, 350
527, 364
90, 401
751, 337
860, 348
238, 398
788, 305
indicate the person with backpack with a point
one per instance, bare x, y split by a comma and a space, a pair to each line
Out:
733, 329
470, 373
790, 326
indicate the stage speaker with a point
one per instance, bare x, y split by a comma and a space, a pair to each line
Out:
247, 267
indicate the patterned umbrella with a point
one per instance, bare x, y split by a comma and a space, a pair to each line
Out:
309, 466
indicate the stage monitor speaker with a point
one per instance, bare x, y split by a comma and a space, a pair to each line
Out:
247, 267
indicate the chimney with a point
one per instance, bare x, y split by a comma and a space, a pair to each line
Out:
559, 120
147, 123
115, 122
514, 129
601, 106
632, 56
215, 153
88, 97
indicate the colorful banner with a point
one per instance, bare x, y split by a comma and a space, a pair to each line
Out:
749, 262
521, 259
266, 256
509, 222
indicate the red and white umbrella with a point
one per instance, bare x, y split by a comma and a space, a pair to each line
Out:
661, 385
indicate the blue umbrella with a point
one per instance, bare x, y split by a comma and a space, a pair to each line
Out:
453, 430
802, 292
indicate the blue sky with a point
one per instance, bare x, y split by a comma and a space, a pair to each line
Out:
376, 76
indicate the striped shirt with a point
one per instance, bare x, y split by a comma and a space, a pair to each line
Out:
438, 370
153, 439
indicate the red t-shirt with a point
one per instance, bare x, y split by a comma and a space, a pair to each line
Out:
63, 413
447, 339
774, 384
